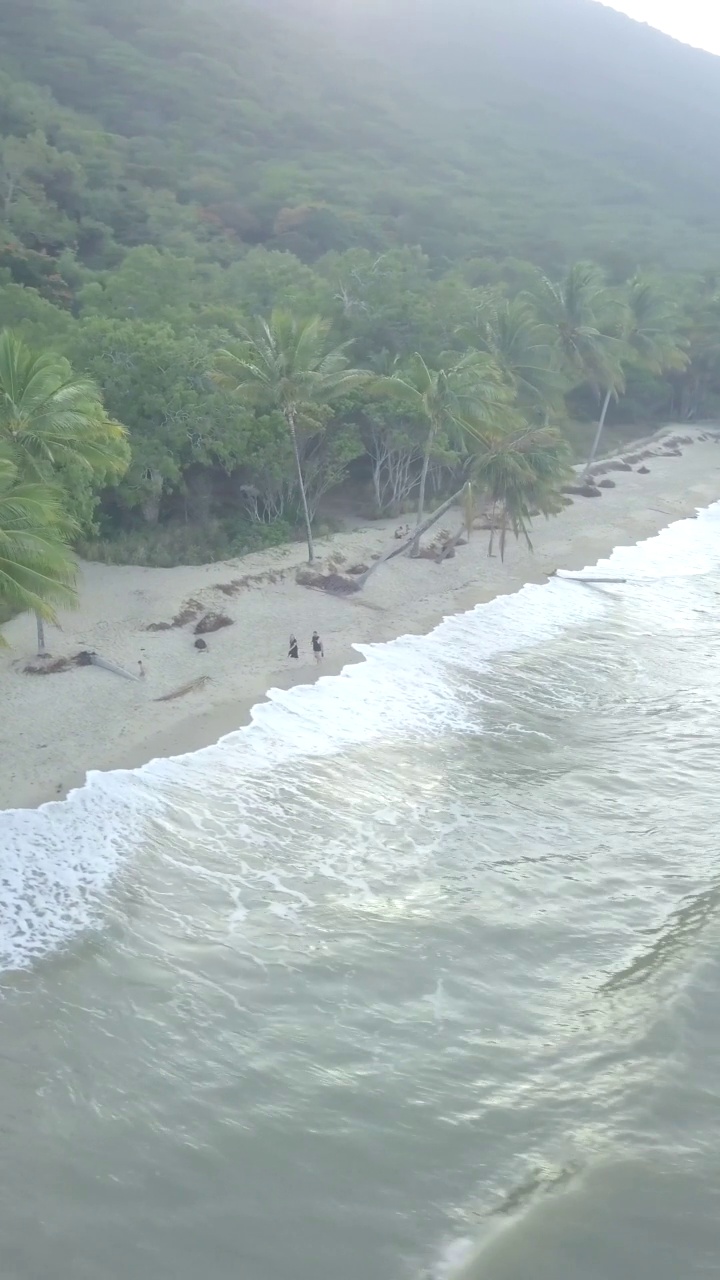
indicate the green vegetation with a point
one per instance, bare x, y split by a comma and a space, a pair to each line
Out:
451, 403
217, 212
37, 568
57, 446
285, 366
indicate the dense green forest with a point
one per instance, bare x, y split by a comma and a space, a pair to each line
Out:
416, 174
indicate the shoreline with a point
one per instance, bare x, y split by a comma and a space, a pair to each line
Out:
100, 722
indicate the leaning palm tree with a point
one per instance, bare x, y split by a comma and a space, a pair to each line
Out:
37, 568
649, 329
585, 322
471, 387
54, 428
287, 363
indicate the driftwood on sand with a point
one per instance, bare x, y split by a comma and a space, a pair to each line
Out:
183, 689
97, 661
576, 577
86, 658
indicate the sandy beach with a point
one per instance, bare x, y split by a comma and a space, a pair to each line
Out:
55, 728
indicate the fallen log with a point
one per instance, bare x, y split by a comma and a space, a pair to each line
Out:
97, 661
416, 533
569, 577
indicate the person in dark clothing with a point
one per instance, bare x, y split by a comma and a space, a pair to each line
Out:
293, 650
317, 647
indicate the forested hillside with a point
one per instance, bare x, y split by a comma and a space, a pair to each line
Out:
506, 127
170, 169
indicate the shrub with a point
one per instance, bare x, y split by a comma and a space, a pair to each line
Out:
167, 545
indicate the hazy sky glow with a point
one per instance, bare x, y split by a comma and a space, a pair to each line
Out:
694, 21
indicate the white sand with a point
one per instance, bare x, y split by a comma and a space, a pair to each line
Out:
55, 728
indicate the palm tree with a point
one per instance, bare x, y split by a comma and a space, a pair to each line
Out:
585, 325
286, 363
702, 327
54, 428
37, 568
470, 388
510, 331
521, 472
52, 418
649, 330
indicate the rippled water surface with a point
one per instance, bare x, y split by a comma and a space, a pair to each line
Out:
418, 976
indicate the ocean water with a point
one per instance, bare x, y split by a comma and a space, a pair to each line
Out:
415, 977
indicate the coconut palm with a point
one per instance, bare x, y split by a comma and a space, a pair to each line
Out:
649, 330
51, 418
510, 331
468, 389
54, 428
287, 363
582, 318
702, 327
37, 568
585, 322
521, 471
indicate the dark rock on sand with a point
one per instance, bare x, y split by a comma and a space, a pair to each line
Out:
583, 490
212, 622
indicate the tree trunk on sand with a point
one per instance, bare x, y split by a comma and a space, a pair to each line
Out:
421, 495
417, 533
301, 482
598, 433
41, 647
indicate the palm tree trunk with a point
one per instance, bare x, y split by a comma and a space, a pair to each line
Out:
301, 482
405, 544
41, 647
415, 548
598, 433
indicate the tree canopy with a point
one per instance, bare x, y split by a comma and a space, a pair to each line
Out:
523, 185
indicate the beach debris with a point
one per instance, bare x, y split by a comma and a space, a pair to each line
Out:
643, 471
187, 613
338, 584
212, 622
200, 645
564, 576
85, 658
584, 490
356, 568
43, 667
615, 464
112, 667
250, 580
184, 689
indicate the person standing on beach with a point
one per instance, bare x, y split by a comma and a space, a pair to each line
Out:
293, 650
317, 647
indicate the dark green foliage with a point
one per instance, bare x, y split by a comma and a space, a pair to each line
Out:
171, 169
